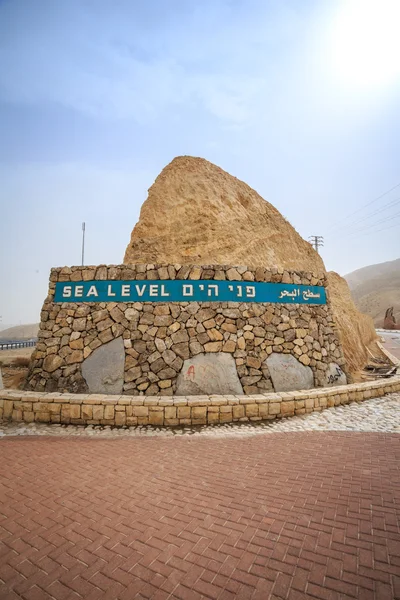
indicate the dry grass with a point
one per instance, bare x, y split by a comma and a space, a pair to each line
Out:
21, 361
356, 330
14, 366
7, 357
14, 379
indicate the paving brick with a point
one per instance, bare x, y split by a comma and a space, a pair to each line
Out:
293, 516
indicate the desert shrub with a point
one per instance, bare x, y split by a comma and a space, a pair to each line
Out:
21, 361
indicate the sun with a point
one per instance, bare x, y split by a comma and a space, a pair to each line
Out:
365, 42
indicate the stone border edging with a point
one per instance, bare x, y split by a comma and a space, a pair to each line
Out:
97, 409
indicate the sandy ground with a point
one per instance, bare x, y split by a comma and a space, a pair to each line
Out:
8, 355
13, 377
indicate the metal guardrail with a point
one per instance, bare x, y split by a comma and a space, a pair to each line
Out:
15, 345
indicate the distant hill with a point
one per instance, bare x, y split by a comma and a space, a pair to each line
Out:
20, 332
375, 288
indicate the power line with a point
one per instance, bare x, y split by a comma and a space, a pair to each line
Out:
363, 232
367, 204
317, 241
378, 230
365, 218
364, 228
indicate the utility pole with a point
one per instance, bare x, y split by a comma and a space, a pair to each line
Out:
317, 241
83, 242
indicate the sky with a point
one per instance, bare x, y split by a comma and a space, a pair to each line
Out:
298, 99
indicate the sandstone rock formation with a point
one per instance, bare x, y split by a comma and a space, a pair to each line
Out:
196, 213
390, 320
356, 330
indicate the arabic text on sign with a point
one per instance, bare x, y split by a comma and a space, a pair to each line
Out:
188, 291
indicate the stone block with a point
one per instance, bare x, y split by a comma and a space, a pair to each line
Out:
213, 417
213, 346
120, 418
156, 417
229, 346
274, 408
42, 417
16, 415
199, 412
287, 408
8, 409
87, 411
98, 412
170, 412
202, 421
251, 410
29, 416
52, 362
184, 412
140, 411
109, 412
40, 407
225, 417
263, 410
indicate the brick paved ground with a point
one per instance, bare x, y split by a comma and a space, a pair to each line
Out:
288, 516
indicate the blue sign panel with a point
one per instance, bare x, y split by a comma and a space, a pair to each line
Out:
188, 291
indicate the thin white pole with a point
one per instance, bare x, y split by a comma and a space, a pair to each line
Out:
83, 242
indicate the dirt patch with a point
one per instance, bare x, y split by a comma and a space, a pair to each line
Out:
14, 367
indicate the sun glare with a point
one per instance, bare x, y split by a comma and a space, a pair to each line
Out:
366, 42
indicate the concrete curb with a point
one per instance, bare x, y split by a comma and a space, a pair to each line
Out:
98, 409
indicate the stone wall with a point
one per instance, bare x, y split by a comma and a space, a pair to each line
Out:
97, 409
156, 348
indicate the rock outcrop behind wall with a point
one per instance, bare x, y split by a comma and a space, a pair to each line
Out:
356, 330
196, 213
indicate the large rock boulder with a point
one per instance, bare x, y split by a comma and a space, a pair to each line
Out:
103, 370
197, 213
213, 373
287, 373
